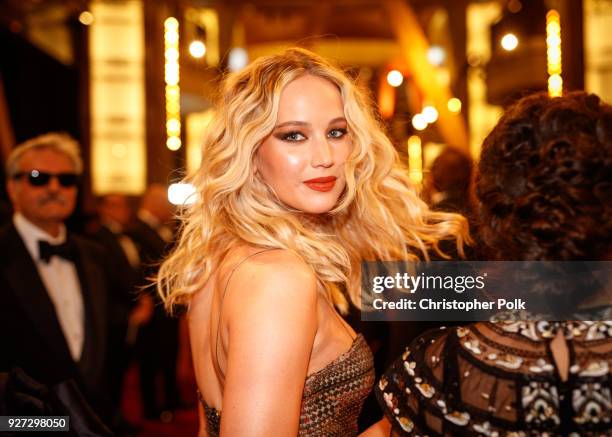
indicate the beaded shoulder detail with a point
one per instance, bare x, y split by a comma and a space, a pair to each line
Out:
482, 380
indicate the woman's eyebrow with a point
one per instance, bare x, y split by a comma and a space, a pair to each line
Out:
337, 119
306, 124
292, 123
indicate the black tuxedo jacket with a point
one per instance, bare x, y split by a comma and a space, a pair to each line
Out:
123, 294
30, 333
152, 249
151, 245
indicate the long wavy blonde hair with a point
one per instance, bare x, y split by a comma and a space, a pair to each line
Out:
378, 217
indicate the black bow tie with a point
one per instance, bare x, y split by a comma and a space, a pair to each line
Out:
64, 250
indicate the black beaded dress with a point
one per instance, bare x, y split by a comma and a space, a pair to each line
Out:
500, 380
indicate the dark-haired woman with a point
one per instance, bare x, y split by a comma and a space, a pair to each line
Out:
545, 193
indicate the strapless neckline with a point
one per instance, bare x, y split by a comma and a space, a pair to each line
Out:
327, 367
358, 357
338, 359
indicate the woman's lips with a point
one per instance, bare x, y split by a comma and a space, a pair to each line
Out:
321, 184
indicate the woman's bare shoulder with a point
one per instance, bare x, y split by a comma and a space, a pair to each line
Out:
277, 274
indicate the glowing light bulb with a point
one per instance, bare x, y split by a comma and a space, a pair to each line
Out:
436, 55
454, 105
197, 49
430, 113
86, 18
419, 122
509, 42
181, 194
395, 78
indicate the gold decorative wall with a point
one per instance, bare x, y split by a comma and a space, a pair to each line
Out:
117, 97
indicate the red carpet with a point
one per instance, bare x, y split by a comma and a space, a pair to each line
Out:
184, 423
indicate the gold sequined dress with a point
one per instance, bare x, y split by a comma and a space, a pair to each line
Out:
332, 397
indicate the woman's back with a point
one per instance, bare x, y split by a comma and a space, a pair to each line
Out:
501, 378
339, 370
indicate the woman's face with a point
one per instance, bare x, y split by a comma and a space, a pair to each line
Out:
303, 158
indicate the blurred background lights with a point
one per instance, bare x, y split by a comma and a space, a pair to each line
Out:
553, 53
197, 49
454, 105
181, 194
395, 78
443, 76
430, 114
86, 18
436, 55
173, 143
171, 23
238, 59
119, 150
514, 6
555, 85
419, 122
415, 159
171, 77
509, 42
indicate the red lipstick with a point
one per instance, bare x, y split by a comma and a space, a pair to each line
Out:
321, 184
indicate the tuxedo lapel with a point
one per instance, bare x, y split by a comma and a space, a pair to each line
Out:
92, 280
24, 279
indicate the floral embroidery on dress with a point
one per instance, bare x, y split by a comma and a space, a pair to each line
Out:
406, 424
543, 330
540, 401
496, 379
595, 368
592, 403
485, 429
458, 418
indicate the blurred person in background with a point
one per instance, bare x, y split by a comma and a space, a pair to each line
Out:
53, 284
128, 309
451, 173
159, 340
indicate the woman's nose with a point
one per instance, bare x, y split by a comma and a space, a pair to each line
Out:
322, 153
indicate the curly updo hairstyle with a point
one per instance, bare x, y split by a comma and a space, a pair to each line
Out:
544, 182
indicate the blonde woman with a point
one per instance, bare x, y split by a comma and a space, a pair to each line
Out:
297, 185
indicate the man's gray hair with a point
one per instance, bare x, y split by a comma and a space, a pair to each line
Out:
57, 141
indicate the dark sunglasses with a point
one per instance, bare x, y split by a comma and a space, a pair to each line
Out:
38, 178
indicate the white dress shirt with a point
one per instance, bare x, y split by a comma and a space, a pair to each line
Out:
61, 280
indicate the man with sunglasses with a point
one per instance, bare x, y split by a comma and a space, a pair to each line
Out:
53, 285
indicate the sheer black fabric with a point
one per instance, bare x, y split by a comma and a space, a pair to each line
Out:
500, 379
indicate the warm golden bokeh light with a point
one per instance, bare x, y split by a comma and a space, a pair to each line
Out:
395, 78
430, 113
509, 42
86, 18
171, 77
419, 122
197, 49
454, 105
415, 159
553, 53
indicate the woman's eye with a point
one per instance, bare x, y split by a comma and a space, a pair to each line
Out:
293, 136
337, 133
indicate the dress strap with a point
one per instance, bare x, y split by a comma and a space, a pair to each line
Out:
216, 364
